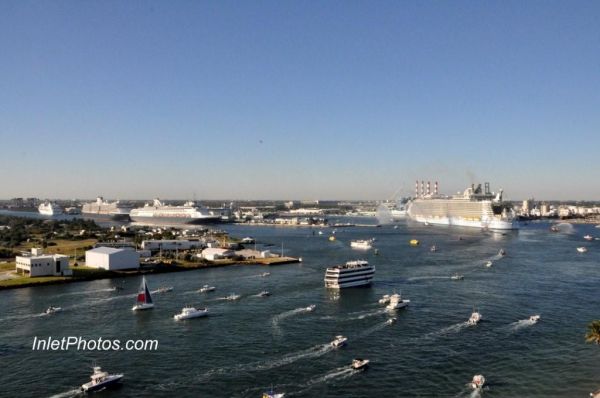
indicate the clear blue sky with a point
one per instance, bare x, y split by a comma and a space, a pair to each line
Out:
298, 99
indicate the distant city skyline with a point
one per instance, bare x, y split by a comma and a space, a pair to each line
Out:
294, 100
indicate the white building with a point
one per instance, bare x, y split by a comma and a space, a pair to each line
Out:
212, 253
39, 264
112, 259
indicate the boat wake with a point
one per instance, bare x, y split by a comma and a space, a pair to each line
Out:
110, 289
523, 323
421, 278
366, 314
469, 392
371, 330
456, 328
280, 317
337, 374
67, 394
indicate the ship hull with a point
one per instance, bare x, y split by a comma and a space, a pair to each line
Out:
455, 221
174, 220
109, 217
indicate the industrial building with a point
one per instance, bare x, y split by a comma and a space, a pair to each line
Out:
174, 244
212, 254
112, 259
37, 263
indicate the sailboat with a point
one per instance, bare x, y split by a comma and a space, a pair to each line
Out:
144, 300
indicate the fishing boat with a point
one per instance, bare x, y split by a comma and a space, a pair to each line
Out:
206, 289
339, 341
100, 380
396, 302
311, 308
474, 319
144, 299
457, 277
191, 312
588, 237
359, 363
477, 382
52, 310
582, 249
362, 244
264, 293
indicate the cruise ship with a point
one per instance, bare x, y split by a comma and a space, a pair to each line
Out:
189, 213
104, 209
352, 274
475, 207
49, 209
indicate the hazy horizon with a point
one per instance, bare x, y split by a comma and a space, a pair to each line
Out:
349, 100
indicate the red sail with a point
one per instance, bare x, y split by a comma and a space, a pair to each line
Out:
141, 298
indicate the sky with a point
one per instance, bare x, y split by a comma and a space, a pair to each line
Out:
298, 99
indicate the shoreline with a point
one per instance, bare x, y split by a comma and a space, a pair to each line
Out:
162, 268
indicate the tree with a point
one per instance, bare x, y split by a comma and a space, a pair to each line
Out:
593, 333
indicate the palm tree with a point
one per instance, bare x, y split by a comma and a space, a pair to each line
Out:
593, 333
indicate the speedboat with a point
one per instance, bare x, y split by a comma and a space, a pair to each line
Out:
477, 382
144, 299
488, 264
396, 302
339, 341
433, 249
206, 289
271, 394
588, 237
582, 249
385, 299
361, 244
475, 318
534, 318
264, 293
264, 274
191, 312
391, 321
164, 289
52, 310
232, 297
100, 379
359, 363
311, 307
457, 277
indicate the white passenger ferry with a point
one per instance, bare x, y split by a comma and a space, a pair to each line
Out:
352, 274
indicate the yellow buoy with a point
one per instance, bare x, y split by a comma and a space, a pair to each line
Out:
414, 242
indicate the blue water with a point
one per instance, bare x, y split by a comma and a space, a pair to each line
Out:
246, 346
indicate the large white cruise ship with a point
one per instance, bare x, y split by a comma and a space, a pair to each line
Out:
101, 208
352, 274
189, 213
475, 208
49, 209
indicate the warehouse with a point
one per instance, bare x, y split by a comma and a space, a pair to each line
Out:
110, 258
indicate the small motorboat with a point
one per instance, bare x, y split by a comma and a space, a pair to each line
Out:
477, 382
332, 238
554, 228
391, 321
264, 293
534, 318
233, 297
385, 299
582, 249
320, 232
164, 289
457, 277
502, 252
359, 363
206, 289
191, 312
488, 264
310, 308
414, 242
588, 237
100, 380
396, 302
52, 310
339, 341
271, 394
474, 319
265, 274
433, 249
143, 300
395, 227
362, 244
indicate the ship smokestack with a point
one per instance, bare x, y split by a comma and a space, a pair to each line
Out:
428, 188
435, 188
422, 188
417, 189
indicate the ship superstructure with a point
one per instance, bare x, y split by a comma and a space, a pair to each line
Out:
189, 213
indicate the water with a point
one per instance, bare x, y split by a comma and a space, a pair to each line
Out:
247, 345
